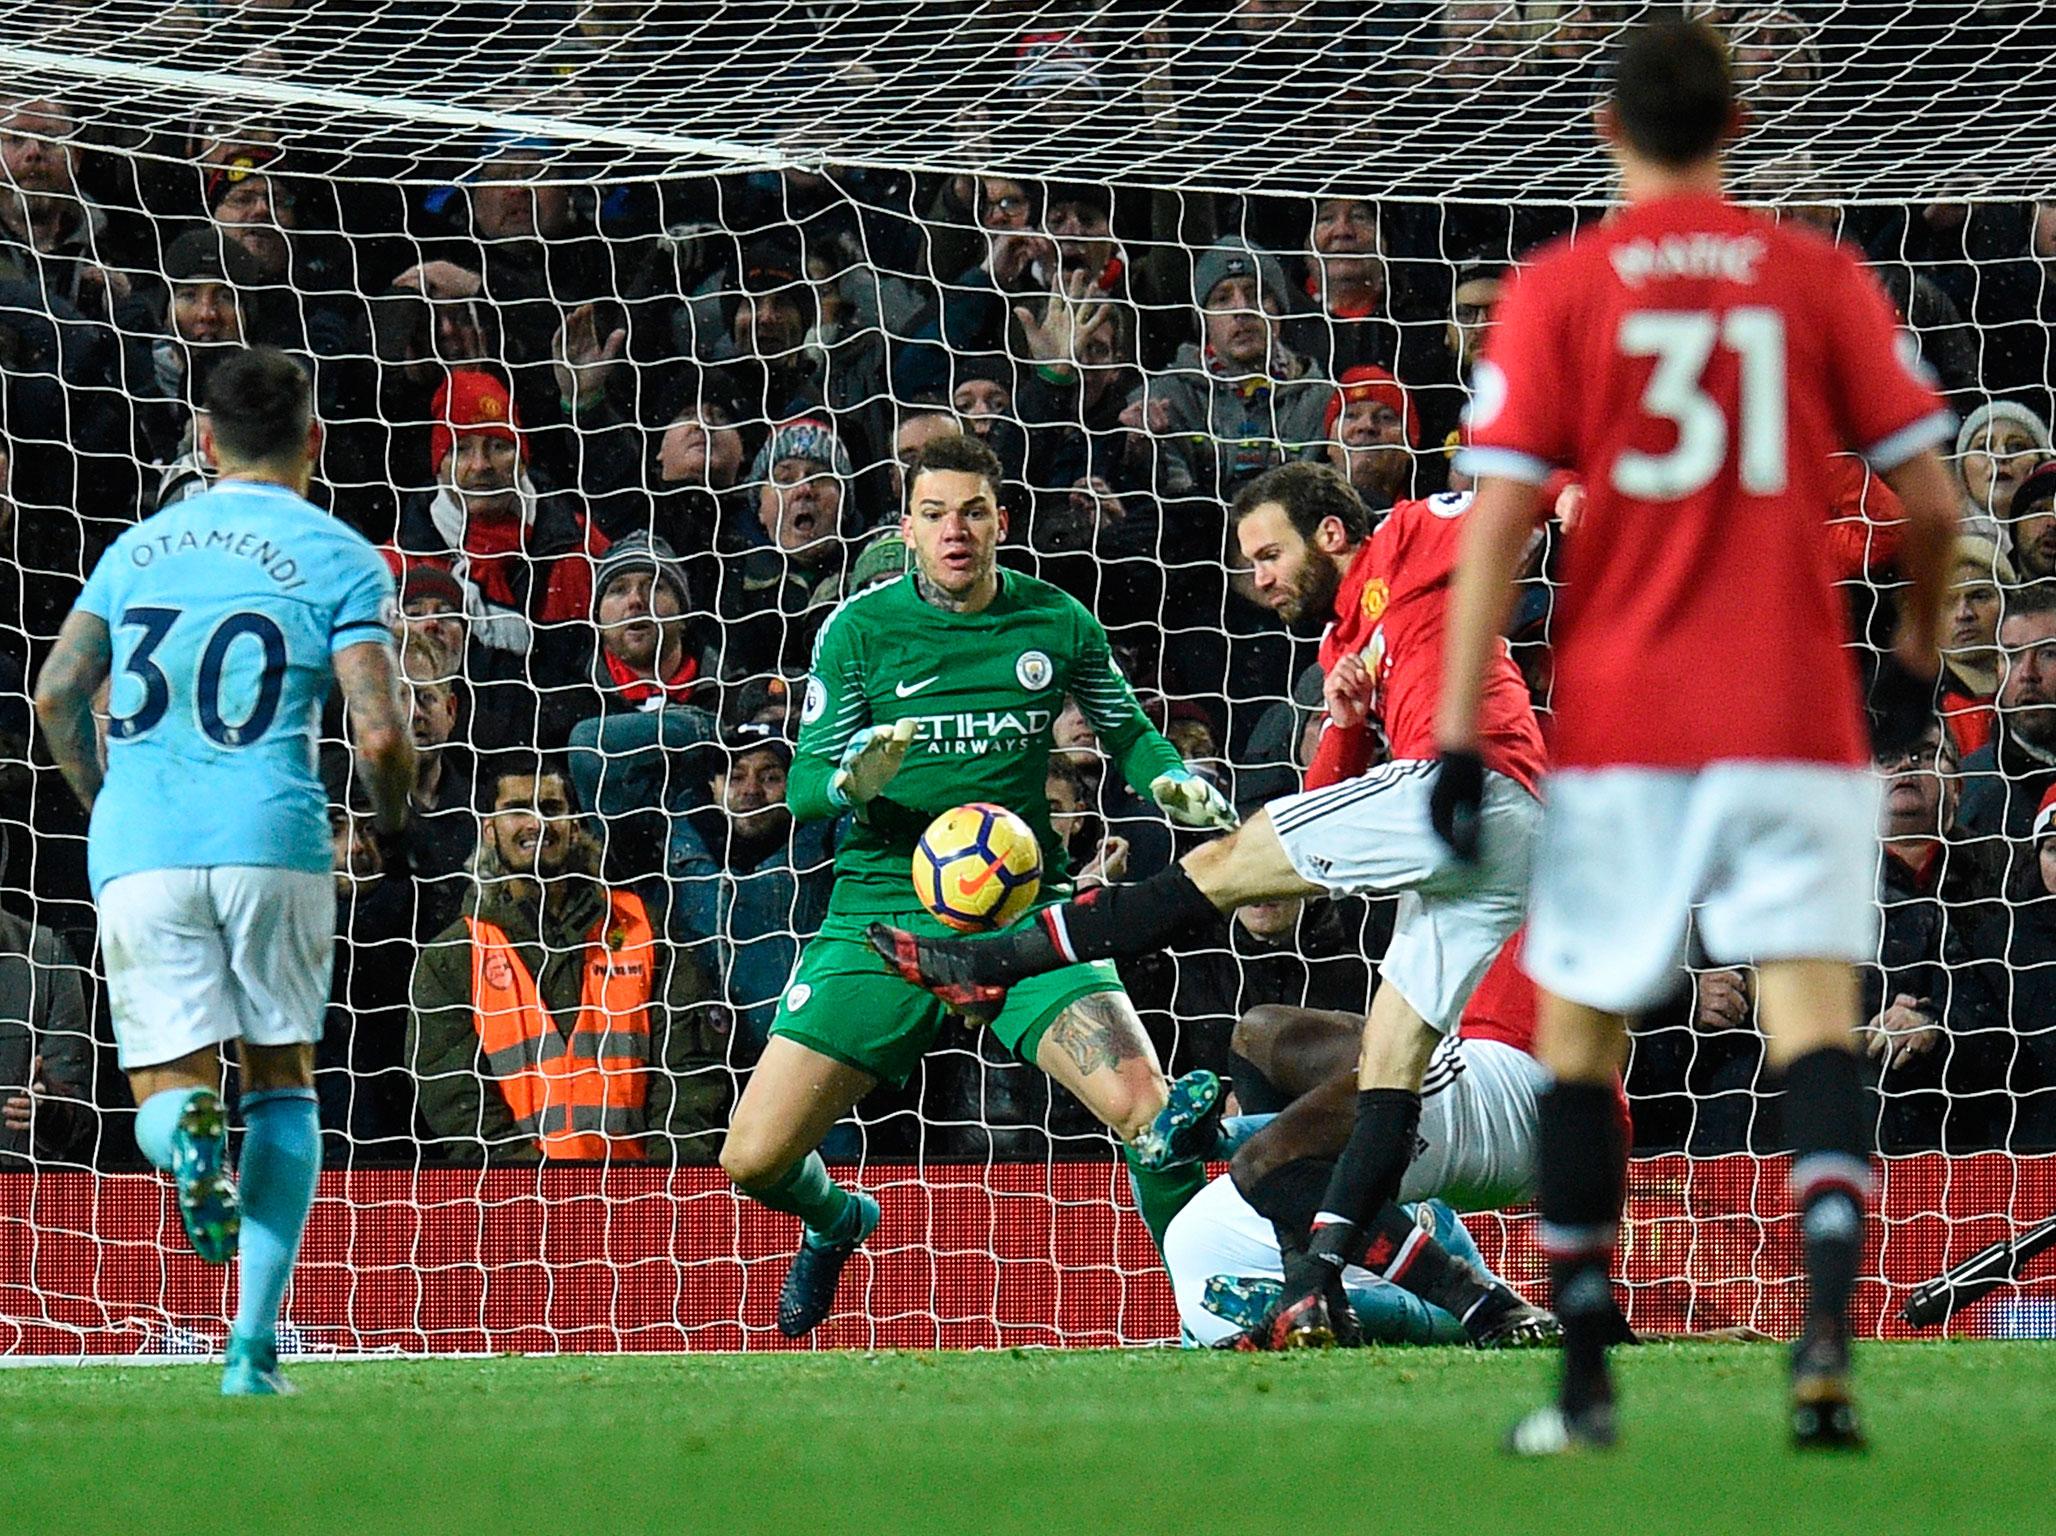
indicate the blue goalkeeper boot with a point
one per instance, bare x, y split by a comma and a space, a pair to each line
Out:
252, 1370
207, 1200
808, 1294
1185, 1129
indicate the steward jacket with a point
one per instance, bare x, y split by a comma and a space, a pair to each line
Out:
494, 1087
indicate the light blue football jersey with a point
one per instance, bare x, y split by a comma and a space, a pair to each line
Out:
225, 612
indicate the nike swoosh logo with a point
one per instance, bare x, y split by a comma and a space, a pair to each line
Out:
908, 690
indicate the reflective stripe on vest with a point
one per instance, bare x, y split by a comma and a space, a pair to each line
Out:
581, 1096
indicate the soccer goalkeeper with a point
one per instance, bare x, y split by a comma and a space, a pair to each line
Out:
928, 692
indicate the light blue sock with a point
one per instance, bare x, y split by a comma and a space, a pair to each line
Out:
281, 1156
157, 1118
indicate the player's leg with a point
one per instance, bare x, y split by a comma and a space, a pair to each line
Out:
172, 1000
1810, 1012
1799, 853
278, 927
794, 1097
1093, 1044
1581, 1181
1295, 1050
1108, 922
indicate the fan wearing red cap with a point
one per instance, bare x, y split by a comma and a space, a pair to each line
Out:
522, 557
1373, 432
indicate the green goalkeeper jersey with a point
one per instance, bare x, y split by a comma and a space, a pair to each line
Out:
986, 689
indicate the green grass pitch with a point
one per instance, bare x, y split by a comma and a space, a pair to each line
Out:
1132, 1443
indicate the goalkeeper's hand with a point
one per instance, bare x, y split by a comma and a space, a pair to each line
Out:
870, 760
1191, 800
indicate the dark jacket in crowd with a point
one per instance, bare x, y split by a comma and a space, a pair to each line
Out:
43, 1014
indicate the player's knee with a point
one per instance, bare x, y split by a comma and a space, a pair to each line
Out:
750, 1161
1256, 1034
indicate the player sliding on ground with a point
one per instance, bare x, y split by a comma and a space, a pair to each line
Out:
1478, 1154
928, 692
1358, 829
1696, 365
223, 622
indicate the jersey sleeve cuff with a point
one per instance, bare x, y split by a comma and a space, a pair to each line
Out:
1928, 432
358, 632
1503, 463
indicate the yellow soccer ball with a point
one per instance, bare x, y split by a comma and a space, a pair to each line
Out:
977, 867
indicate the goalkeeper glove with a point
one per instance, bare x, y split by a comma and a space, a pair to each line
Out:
870, 760
1191, 800
1456, 803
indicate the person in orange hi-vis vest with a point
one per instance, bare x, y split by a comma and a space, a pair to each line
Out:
552, 1019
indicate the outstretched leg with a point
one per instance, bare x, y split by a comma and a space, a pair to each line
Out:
1110, 922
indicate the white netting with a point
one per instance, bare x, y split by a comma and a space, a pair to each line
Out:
660, 234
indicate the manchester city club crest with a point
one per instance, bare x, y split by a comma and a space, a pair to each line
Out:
1034, 671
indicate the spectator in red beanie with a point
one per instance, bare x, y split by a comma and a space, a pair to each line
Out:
523, 558
1373, 434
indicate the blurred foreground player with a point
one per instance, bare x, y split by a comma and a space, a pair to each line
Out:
223, 622
1696, 364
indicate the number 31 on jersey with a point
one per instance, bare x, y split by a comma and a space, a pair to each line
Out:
1682, 342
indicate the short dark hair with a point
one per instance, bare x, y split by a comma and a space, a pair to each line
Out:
2029, 600
259, 402
956, 452
522, 763
1310, 495
1674, 91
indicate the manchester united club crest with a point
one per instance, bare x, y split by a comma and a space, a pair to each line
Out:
1034, 671
1376, 596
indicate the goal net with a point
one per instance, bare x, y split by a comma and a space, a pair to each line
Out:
620, 290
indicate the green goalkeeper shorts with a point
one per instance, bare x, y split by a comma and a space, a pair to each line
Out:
845, 1002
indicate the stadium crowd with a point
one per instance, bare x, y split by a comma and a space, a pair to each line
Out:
627, 443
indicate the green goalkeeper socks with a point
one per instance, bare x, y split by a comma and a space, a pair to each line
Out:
807, 1192
1162, 1194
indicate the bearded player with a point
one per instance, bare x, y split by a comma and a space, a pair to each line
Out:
928, 692
1357, 829
1696, 365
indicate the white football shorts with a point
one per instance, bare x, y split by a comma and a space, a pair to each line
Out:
1371, 836
198, 956
1771, 861
1478, 1123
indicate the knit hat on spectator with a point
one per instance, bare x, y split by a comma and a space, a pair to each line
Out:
1367, 381
248, 160
769, 265
2037, 488
1979, 558
1052, 62
757, 736
756, 697
880, 560
422, 581
2001, 410
640, 551
470, 401
208, 256
805, 437
1236, 257
2045, 815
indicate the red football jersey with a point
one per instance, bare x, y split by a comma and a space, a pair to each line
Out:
1504, 1007
1698, 364
1392, 608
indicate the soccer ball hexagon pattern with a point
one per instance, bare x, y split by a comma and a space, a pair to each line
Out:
977, 867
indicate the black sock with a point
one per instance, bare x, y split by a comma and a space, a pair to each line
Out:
1401, 1250
1381, 1144
1257, 1094
1825, 1118
1108, 922
1288, 1197
1578, 1137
